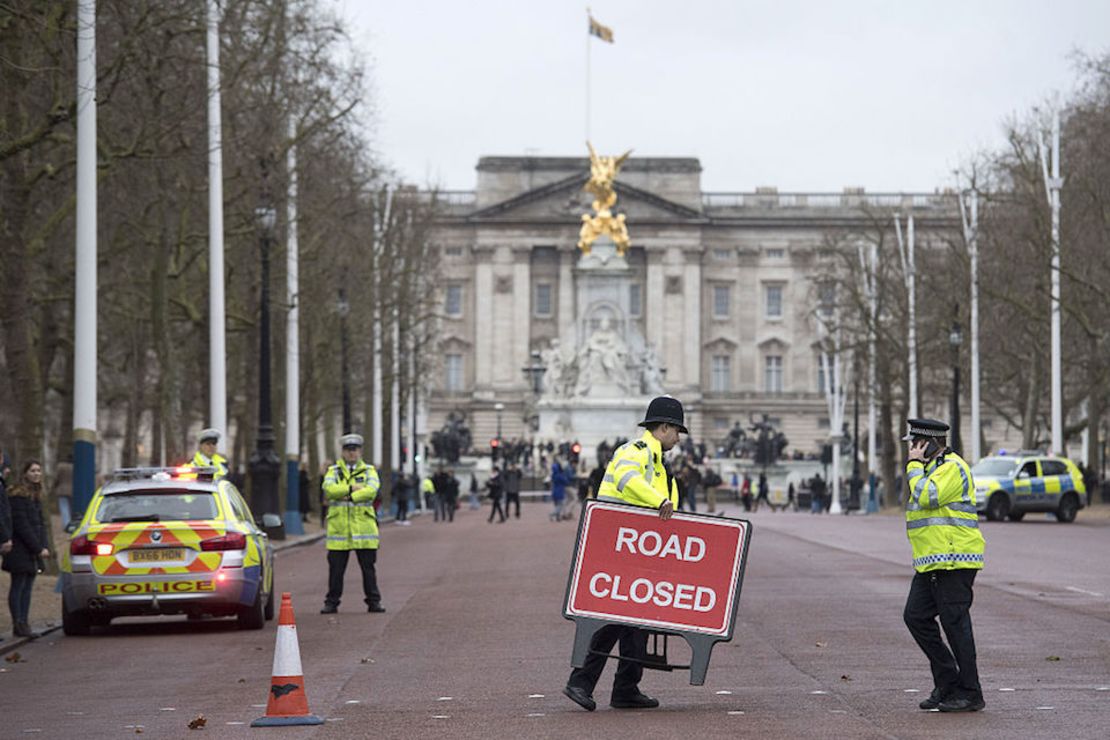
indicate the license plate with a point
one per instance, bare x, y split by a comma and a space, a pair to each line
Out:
157, 555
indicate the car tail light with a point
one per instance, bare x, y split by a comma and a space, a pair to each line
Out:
230, 541
103, 548
82, 545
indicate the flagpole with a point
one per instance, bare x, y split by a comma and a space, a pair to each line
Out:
588, 75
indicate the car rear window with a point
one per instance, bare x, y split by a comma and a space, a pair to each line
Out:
157, 506
1053, 467
995, 467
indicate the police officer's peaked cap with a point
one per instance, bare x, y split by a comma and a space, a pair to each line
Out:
351, 440
208, 435
665, 409
924, 428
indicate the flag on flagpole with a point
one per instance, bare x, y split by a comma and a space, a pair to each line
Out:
602, 32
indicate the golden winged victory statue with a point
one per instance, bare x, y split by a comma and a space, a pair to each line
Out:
603, 171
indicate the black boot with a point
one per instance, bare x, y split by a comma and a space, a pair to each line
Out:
330, 609
22, 629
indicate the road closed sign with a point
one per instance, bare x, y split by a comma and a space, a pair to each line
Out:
632, 567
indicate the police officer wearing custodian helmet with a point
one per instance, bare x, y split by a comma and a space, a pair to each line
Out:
635, 475
942, 523
351, 485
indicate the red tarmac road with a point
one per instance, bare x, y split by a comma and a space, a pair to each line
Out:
474, 645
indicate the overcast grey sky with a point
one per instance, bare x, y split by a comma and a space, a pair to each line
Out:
804, 95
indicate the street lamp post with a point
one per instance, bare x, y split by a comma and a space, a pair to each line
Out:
344, 308
955, 338
499, 408
264, 463
857, 482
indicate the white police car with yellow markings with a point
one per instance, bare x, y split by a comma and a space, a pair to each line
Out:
1014, 485
167, 541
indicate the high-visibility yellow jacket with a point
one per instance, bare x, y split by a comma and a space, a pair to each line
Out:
352, 521
217, 461
942, 522
635, 475
426, 486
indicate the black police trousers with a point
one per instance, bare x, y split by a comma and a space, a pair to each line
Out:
633, 644
946, 594
337, 567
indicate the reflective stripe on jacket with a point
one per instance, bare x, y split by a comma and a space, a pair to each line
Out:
218, 461
635, 475
352, 521
942, 521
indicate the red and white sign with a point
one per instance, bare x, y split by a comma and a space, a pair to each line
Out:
680, 574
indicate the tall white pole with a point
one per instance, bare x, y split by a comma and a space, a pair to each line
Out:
588, 80
905, 251
1057, 374
293, 523
836, 385
380, 222
395, 396
1052, 185
84, 340
970, 218
872, 420
217, 347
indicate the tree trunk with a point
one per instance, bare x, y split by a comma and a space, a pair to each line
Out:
1031, 409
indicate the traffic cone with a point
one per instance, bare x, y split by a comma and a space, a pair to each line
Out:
288, 704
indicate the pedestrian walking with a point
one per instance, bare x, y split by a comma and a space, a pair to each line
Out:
450, 496
817, 502
942, 523
746, 492
473, 493
495, 490
512, 478
429, 495
762, 493
712, 480
25, 559
635, 475
790, 501
560, 479
302, 484
351, 486
405, 487
207, 456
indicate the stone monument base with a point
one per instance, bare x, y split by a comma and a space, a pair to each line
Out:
591, 420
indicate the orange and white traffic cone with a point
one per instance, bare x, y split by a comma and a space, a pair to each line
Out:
288, 704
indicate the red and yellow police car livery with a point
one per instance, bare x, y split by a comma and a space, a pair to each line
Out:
166, 541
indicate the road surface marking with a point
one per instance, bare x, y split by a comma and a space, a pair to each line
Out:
1083, 591
838, 711
168, 709
441, 716
1046, 707
235, 722
1007, 689
1103, 688
912, 691
535, 714
334, 719
736, 712
818, 692
259, 706
724, 693
445, 698
535, 696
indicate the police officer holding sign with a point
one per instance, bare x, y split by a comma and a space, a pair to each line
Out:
943, 527
206, 456
351, 485
635, 475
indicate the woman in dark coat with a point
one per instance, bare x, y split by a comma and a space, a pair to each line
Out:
28, 544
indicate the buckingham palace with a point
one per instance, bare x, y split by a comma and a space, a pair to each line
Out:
718, 294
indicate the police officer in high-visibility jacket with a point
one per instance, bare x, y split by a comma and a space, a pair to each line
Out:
206, 456
350, 486
635, 475
942, 523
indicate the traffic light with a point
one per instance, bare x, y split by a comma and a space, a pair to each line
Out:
494, 444
575, 451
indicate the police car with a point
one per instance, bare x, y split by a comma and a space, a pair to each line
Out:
1012, 485
167, 541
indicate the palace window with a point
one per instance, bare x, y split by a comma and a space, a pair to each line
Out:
453, 302
721, 296
543, 300
454, 372
720, 378
772, 305
635, 300
772, 374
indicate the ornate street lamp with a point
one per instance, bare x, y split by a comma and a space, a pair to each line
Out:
955, 338
264, 464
